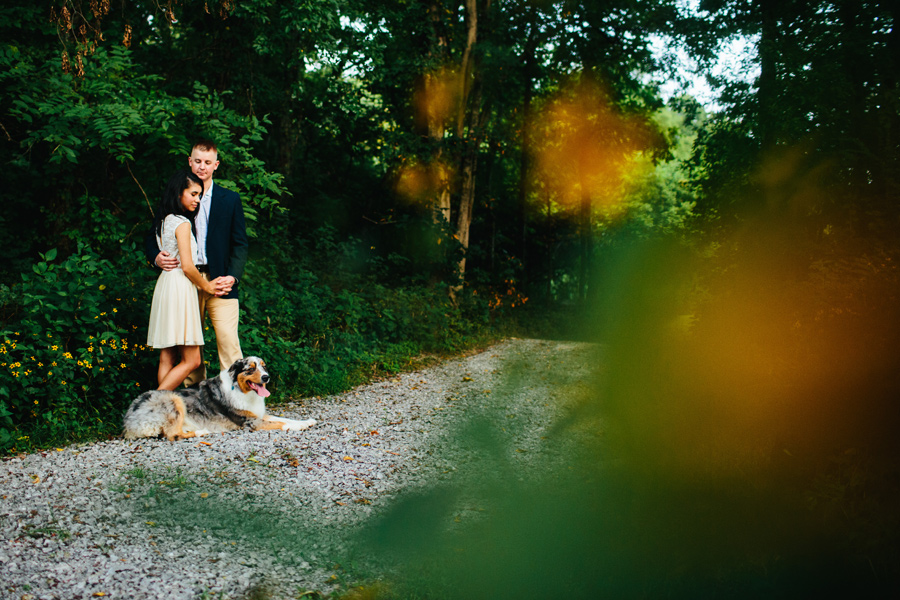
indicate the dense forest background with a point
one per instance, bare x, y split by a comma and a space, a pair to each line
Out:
423, 176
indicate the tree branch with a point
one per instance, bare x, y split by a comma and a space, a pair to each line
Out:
127, 166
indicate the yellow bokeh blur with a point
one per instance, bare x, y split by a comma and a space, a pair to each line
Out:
584, 148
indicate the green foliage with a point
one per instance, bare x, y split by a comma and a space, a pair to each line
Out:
108, 132
72, 356
733, 436
826, 85
329, 330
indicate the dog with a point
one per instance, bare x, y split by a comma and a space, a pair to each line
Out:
232, 400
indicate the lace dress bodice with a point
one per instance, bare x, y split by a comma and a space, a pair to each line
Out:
169, 244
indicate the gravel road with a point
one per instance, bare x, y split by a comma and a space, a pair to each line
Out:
267, 514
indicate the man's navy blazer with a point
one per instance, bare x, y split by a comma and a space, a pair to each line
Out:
226, 238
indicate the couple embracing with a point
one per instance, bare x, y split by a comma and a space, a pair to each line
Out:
199, 240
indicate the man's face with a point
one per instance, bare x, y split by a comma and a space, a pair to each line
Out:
203, 164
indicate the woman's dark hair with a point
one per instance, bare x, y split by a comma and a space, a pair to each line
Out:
170, 204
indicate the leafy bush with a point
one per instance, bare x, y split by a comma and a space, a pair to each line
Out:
325, 330
74, 356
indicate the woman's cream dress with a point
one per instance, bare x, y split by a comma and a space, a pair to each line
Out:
175, 311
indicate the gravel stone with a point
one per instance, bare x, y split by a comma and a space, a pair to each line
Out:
237, 514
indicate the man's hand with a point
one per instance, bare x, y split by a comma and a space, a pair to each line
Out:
166, 262
224, 285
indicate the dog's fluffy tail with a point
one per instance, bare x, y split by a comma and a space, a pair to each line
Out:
155, 413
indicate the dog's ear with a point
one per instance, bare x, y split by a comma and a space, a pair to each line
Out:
236, 368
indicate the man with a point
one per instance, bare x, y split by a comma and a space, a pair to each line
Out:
222, 252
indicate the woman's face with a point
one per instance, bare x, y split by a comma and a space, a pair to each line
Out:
190, 197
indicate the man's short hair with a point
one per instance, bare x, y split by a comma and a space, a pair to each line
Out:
205, 145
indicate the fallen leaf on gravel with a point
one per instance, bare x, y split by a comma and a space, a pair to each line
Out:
206, 443
467, 379
348, 458
35, 479
99, 594
204, 495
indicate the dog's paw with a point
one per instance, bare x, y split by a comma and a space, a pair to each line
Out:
291, 425
201, 432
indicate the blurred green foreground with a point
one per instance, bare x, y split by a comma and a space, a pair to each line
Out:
738, 439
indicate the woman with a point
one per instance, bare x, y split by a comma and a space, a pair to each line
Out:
175, 325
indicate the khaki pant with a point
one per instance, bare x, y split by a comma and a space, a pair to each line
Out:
224, 315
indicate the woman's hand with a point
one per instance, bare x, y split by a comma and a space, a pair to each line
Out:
210, 287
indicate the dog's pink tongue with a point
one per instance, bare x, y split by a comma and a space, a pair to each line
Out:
261, 390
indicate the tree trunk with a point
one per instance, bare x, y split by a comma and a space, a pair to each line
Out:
469, 113
529, 62
867, 167
434, 118
468, 168
768, 75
